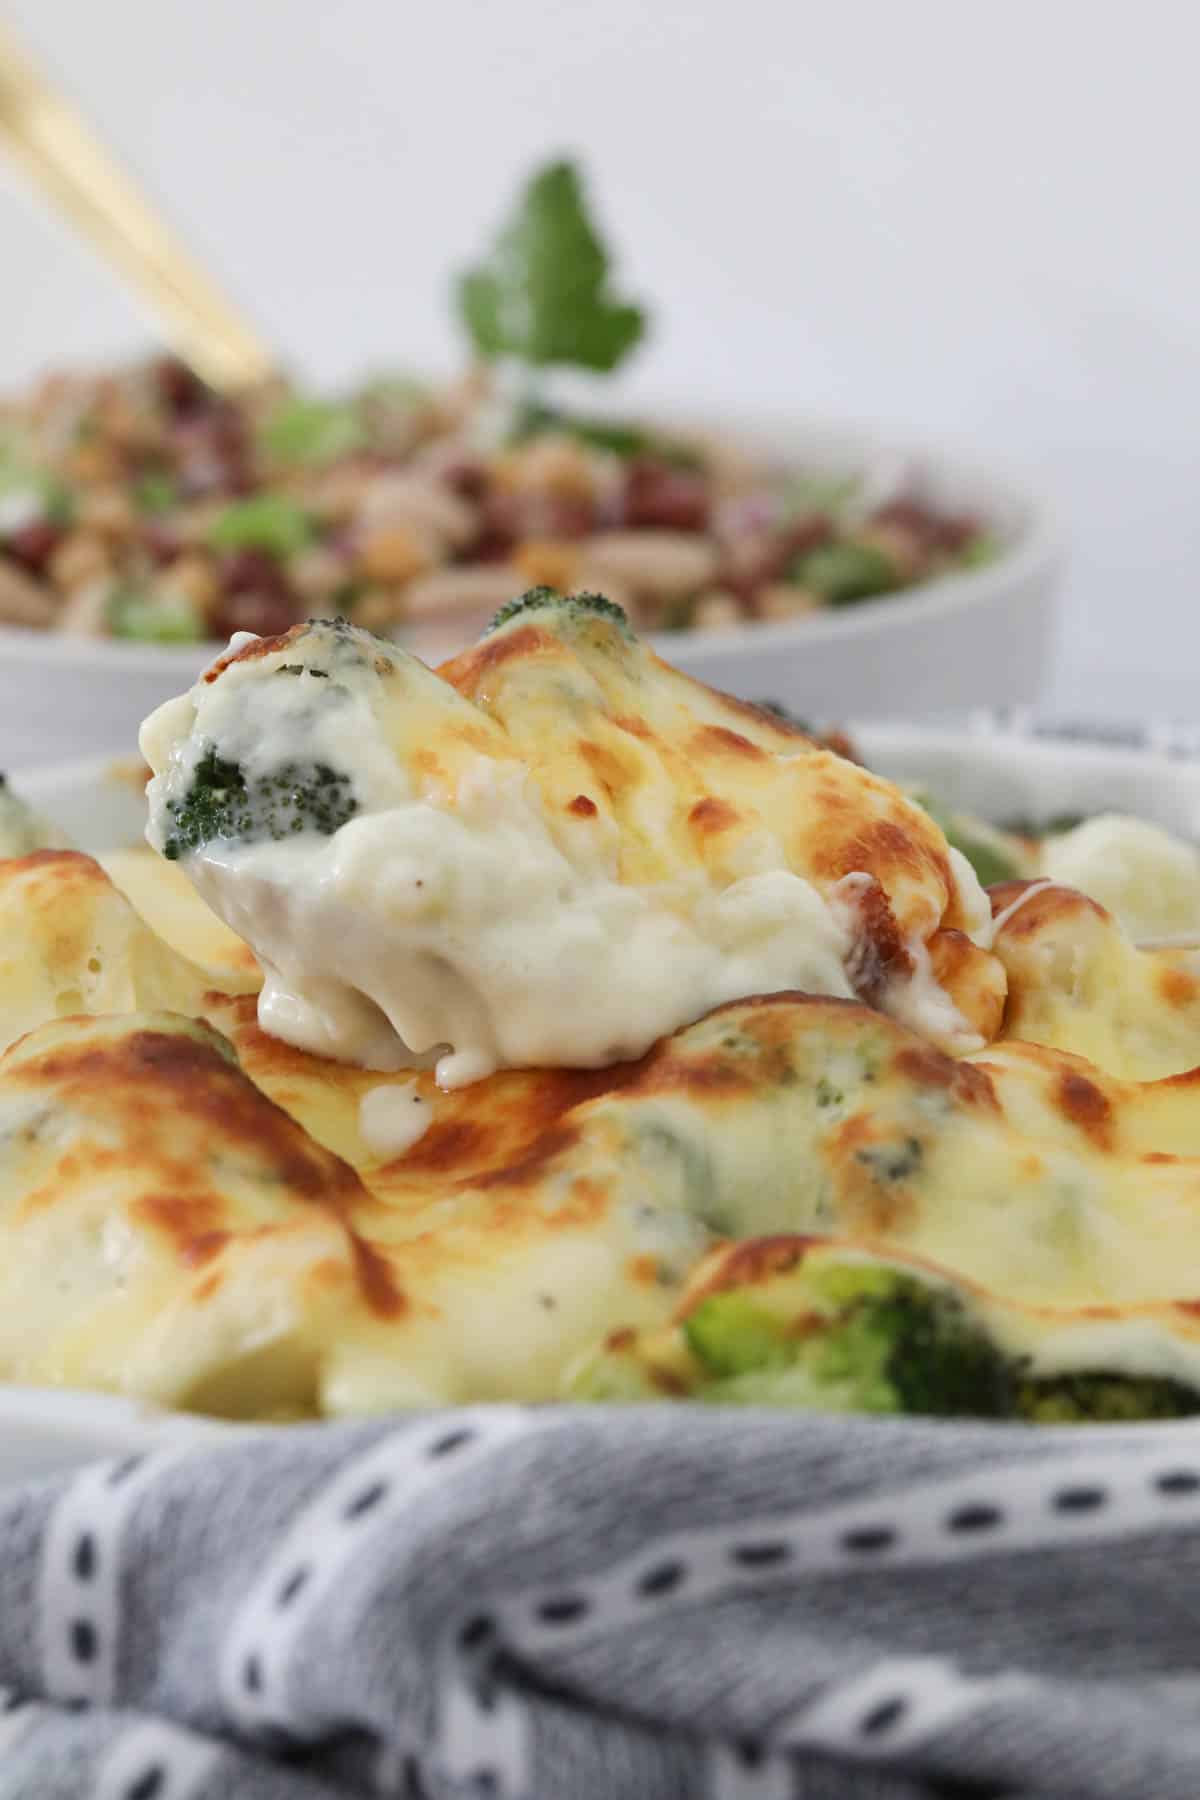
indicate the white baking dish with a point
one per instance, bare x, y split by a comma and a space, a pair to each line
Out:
981, 637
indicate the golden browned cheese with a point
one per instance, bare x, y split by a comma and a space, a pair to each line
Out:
194, 1211
71, 943
616, 737
168, 1232
781, 1277
1077, 983
701, 846
228, 1238
628, 751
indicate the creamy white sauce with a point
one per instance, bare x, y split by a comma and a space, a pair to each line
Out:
420, 926
392, 1119
973, 902
1148, 880
456, 929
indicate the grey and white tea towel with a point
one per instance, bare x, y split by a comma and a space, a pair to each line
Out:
638, 1604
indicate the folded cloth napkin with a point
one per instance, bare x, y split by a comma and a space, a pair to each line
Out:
673, 1603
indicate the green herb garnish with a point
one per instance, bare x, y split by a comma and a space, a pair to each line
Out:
541, 296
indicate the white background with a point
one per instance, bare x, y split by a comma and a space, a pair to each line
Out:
966, 221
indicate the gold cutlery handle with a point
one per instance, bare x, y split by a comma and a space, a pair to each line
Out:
56, 147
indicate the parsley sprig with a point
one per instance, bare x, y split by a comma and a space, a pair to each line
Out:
542, 294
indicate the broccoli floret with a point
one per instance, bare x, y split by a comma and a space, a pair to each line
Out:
856, 1337
222, 803
1104, 1398
732, 1335
574, 607
836, 1334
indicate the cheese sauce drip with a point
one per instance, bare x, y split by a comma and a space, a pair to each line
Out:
420, 927
448, 917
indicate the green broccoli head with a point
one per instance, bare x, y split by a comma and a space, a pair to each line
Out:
1104, 1398
828, 1331
222, 802
855, 1336
571, 608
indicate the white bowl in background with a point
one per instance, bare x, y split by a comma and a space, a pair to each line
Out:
996, 774
980, 637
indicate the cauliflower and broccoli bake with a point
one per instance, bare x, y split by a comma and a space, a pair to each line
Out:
559, 1028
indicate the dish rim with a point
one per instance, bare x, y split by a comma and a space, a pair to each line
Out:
1037, 551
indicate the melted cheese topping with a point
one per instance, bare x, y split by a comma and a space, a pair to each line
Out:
1147, 879
71, 943
1077, 983
562, 851
161, 894
168, 1231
